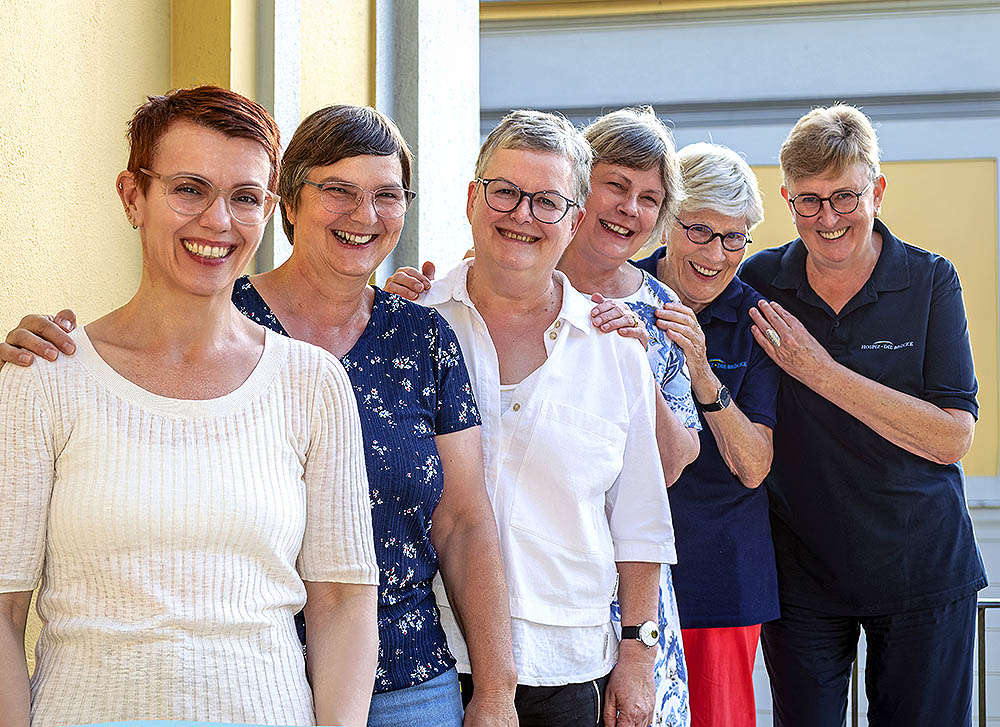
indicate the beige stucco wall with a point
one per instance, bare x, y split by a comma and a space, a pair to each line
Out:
336, 52
71, 72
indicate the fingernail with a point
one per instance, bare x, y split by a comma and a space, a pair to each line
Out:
51, 354
24, 358
419, 286
68, 347
606, 327
65, 325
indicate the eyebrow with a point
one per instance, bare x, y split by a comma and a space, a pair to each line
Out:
202, 177
391, 185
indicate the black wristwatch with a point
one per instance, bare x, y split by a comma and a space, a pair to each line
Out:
722, 400
646, 633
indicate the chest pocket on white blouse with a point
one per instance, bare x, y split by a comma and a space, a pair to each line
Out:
572, 459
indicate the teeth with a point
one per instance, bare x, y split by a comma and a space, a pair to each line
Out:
705, 271
618, 230
209, 251
519, 238
831, 235
352, 239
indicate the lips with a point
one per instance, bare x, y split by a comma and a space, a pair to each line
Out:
617, 229
707, 272
351, 238
208, 252
517, 236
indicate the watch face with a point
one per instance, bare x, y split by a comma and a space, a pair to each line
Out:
724, 397
649, 633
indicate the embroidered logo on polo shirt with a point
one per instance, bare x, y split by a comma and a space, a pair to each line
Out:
885, 345
718, 363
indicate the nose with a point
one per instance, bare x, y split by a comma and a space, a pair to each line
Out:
217, 216
365, 212
827, 214
522, 213
629, 205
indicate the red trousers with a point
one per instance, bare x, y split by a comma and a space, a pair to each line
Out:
720, 675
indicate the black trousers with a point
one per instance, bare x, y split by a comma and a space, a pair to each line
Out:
569, 705
918, 672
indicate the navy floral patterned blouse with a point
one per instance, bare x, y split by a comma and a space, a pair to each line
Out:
411, 384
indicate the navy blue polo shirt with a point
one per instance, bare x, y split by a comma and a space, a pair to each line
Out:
725, 573
862, 527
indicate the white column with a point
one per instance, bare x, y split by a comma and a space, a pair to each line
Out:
427, 80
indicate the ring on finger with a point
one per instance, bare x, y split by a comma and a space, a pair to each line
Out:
772, 335
636, 321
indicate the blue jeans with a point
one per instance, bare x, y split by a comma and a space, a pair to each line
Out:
434, 703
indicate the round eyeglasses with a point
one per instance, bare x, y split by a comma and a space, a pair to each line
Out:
843, 202
546, 206
191, 195
343, 198
703, 234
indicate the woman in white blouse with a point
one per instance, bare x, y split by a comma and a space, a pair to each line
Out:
182, 483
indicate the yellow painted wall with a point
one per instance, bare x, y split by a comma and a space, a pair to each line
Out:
214, 41
72, 73
957, 220
337, 46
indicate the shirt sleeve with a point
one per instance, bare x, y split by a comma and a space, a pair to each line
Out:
758, 394
455, 408
27, 471
636, 504
949, 372
338, 545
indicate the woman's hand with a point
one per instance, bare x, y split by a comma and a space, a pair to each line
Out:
611, 316
680, 323
40, 335
409, 282
788, 343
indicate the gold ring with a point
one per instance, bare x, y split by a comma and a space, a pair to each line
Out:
636, 320
772, 335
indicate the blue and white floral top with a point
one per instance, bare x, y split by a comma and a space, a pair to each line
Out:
411, 384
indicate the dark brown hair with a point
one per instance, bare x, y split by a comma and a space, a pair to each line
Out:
215, 108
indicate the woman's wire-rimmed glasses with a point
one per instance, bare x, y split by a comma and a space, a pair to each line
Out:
843, 201
701, 234
191, 195
343, 198
546, 206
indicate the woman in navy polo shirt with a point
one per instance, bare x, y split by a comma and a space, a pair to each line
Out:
876, 407
725, 575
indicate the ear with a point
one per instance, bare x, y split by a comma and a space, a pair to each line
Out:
470, 200
289, 211
576, 222
788, 201
879, 188
129, 194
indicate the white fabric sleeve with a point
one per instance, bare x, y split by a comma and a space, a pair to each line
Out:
27, 471
338, 545
636, 505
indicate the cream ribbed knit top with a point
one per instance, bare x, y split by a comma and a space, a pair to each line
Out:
172, 536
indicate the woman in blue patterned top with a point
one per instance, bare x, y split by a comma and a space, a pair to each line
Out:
343, 187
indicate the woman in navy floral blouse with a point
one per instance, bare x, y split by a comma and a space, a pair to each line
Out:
343, 188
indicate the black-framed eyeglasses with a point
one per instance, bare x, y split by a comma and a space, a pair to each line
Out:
344, 197
843, 201
191, 195
701, 234
547, 206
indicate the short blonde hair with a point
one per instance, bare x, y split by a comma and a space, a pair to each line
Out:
540, 131
636, 139
828, 140
717, 178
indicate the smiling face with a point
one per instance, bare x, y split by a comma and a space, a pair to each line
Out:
515, 240
835, 240
622, 210
350, 244
202, 254
699, 273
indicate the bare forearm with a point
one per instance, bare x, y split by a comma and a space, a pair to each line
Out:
342, 653
913, 424
746, 449
473, 574
638, 596
678, 445
15, 700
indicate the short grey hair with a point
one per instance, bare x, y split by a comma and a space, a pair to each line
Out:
635, 138
828, 140
539, 131
717, 178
